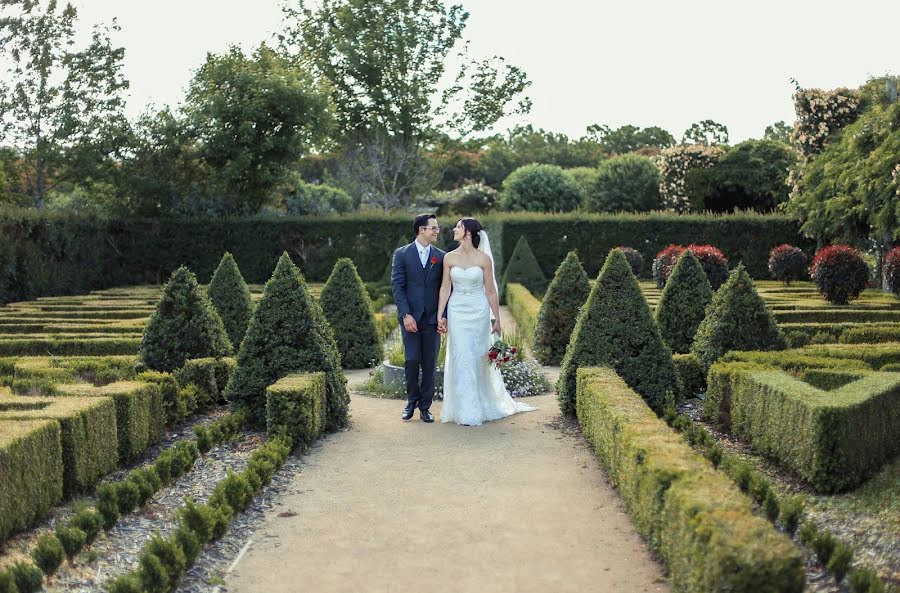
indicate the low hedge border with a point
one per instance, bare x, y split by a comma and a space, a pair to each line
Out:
295, 406
30, 458
786, 510
87, 434
874, 355
703, 527
524, 308
69, 346
836, 316
870, 335
163, 562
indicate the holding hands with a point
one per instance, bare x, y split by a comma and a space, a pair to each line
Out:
442, 326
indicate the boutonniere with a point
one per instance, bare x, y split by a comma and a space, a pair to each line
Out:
433, 260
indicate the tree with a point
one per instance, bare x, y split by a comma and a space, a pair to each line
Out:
706, 132
626, 183
559, 310
750, 176
386, 61
682, 304
630, 138
253, 117
229, 294
347, 308
55, 97
779, 132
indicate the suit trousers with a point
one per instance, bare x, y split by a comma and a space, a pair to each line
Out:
421, 350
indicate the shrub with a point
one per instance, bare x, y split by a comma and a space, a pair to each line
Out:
584, 177
27, 576
468, 200
664, 262
234, 492
189, 544
676, 165
209, 375
840, 273
127, 496
559, 310
294, 407
524, 269
625, 183
682, 305
690, 373
540, 188
751, 175
72, 540
315, 199
170, 555
347, 308
787, 263
865, 580
891, 270
615, 328
108, 505
791, 512
7, 582
230, 296
199, 519
736, 319
713, 262
48, 554
126, 583
840, 561
175, 406
185, 325
824, 544
288, 333
90, 522
523, 307
635, 259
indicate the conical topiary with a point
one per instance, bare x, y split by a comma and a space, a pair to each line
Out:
736, 319
347, 308
616, 329
524, 269
287, 333
683, 302
559, 310
230, 296
390, 265
185, 325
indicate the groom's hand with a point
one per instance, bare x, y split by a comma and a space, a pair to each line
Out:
409, 324
442, 326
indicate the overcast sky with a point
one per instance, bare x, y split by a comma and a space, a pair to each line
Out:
642, 62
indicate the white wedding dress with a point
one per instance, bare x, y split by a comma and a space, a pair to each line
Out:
474, 391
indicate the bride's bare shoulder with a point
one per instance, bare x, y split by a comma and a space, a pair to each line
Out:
484, 259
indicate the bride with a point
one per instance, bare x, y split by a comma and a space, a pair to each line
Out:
474, 391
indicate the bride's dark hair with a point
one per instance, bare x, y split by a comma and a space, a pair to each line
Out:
473, 227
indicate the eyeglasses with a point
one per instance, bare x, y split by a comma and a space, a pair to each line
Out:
432, 228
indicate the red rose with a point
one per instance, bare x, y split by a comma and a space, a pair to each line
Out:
513, 350
433, 259
506, 359
492, 354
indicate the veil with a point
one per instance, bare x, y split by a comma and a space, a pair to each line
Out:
484, 246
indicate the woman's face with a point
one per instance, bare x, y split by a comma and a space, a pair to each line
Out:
459, 231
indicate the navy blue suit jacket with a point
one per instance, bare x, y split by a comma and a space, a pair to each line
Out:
416, 289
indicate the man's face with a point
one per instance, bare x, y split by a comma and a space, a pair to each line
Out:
429, 234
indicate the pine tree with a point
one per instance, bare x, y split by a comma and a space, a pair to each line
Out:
736, 319
287, 333
347, 308
683, 302
185, 325
559, 310
230, 296
524, 269
616, 329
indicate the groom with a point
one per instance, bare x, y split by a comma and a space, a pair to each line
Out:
416, 275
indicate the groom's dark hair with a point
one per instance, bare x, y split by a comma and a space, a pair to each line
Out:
421, 220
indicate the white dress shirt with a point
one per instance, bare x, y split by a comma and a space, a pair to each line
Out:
423, 252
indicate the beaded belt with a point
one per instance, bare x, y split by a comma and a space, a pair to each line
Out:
466, 291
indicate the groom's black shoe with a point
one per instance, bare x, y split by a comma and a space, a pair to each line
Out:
426, 416
408, 413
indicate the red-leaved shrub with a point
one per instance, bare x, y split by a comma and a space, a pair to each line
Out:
840, 273
713, 262
787, 263
635, 259
891, 269
664, 262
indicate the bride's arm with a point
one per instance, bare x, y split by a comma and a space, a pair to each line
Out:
444, 294
491, 291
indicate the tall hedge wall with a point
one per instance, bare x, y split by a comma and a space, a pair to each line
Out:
52, 254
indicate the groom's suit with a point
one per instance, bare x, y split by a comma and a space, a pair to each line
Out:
416, 290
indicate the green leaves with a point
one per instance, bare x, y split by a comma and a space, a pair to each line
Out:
682, 305
347, 308
559, 310
229, 294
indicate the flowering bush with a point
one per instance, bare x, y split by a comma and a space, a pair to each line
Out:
819, 115
840, 273
664, 262
787, 263
891, 270
524, 378
713, 262
635, 259
674, 166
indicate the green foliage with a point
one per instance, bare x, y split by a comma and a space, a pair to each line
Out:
288, 333
108, 505
184, 325
347, 308
865, 580
154, 575
88, 521
630, 138
72, 540
690, 374
706, 132
209, 375
127, 496
28, 577
682, 305
750, 176
254, 116
48, 554
199, 519
234, 492
7, 582
677, 166
230, 296
522, 268
627, 183
540, 188
295, 407
791, 512
678, 502
560, 306
737, 319
524, 308
170, 556
301, 198
615, 328
840, 561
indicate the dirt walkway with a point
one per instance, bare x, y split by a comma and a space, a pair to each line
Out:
517, 505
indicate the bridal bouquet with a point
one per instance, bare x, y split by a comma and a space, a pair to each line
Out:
501, 353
